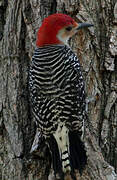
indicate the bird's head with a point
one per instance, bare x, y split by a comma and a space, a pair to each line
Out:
57, 29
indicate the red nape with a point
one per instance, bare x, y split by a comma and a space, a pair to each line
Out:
51, 25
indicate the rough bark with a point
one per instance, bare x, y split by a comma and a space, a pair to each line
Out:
97, 50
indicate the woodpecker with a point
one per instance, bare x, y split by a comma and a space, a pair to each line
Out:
57, 93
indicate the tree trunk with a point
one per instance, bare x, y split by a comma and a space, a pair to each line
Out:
97, 51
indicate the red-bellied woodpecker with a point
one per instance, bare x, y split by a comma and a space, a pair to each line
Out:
57, 93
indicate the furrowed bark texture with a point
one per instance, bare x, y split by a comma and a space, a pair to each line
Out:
97, 51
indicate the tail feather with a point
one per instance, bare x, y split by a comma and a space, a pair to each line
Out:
56, 161
78, 157
66, 161
70, 159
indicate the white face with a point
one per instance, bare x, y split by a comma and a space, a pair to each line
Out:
65, 33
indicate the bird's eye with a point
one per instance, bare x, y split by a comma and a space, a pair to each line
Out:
69, 28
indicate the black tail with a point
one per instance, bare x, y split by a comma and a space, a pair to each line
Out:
56, 161
78, 158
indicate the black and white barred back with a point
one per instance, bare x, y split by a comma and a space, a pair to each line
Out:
57, 95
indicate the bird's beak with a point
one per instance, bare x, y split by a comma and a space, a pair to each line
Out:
83, 25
